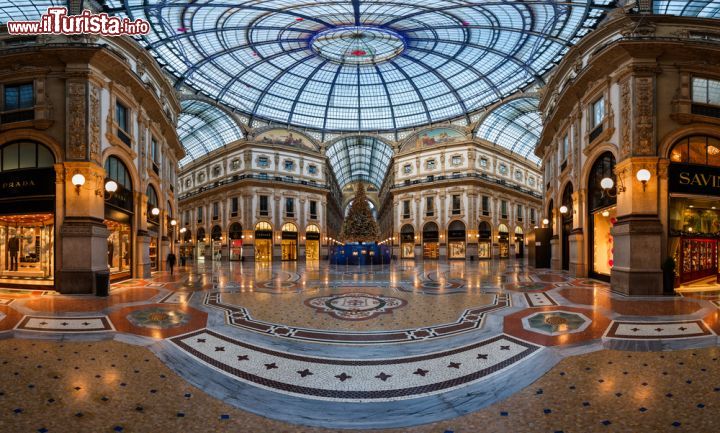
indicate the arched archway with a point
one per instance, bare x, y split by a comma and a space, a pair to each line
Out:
119, 212
312, 242
567, 224
407, 242
263, 242
200, 242
431, 241
484, 240
235, 240
519, 242
27, 212
217, 242
456, 240
503, 241
601, 217
288, 242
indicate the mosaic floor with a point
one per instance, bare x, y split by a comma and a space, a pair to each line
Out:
449, 346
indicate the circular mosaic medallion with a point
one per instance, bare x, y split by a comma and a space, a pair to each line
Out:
355, 306
556, 322
158, 318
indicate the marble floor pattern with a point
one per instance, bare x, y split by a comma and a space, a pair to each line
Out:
433, 346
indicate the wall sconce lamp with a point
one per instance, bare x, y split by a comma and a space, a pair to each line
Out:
608, 187
78, 180
183, 230
563, 209
155, 211
546, 221
110, 187
643, 175
173, 222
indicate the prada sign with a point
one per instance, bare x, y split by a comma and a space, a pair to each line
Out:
694, 179
32, 182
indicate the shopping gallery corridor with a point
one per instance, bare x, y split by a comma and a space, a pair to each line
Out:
285, 216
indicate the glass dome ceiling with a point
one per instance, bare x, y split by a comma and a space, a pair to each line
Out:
360, 65
693, 8
360, 158
515, 125
203, 127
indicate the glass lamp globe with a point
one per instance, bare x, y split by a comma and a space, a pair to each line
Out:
78, 180
546, 221
111, 186
563, 209
643, 175
155, 211
607, 183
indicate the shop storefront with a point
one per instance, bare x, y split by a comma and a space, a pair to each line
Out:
503, 241
484, 240
118, 218
216, 238
288, 242
27, 213
263, 242
407, 242
694, 208
153, 226
236, 241
456, 240
431, 241
602, 216
187, 249
519, 243
312, 243
200, 242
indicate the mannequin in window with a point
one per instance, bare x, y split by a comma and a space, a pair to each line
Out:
111, 251
13, 248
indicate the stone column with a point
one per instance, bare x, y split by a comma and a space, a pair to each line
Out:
638, 233
83, 250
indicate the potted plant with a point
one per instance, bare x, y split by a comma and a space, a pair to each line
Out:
668, 268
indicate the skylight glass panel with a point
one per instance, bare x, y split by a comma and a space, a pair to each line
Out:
446, 57
515, 125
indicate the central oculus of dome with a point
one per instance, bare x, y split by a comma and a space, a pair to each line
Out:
357, 45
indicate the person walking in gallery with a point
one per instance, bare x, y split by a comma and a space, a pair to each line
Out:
171, 261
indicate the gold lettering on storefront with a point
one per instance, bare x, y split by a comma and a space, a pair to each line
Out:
699, 179
18, 184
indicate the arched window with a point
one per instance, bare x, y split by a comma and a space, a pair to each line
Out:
312, 228
235, 231
152, 204
25, 154
216, 233
289, 227
484, 230
201, 235
696, 149
603, 167
262, 225
116, 171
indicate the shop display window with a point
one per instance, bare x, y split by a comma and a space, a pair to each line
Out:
431, 250
118, 244
603, 246
27, 249
456, 249
484, 249
408, 250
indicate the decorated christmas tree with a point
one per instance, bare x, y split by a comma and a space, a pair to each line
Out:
360, 225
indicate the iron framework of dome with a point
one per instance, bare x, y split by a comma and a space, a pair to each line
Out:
691, 8
360, 65
203, 127
360, 158
515, 125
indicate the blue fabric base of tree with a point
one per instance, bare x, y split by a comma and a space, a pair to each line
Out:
360, 254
